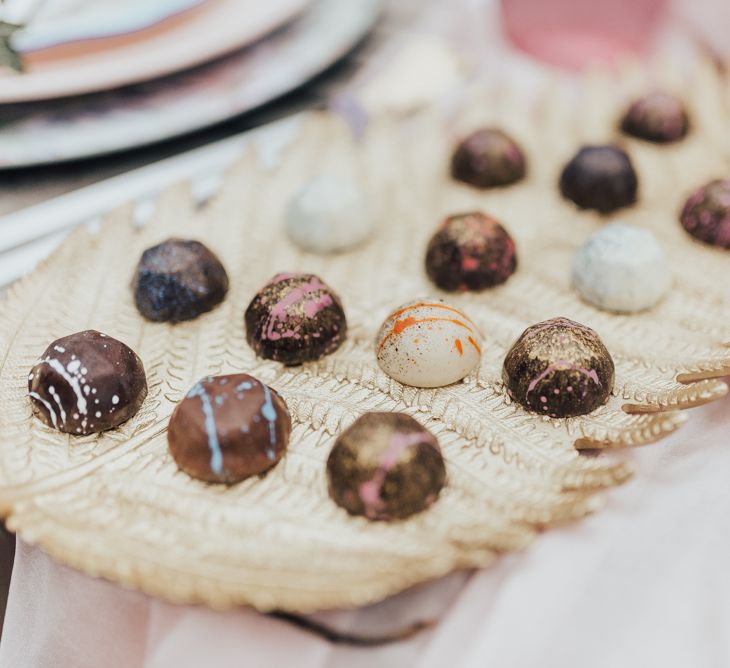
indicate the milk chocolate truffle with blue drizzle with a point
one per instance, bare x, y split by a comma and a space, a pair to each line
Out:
657, 117
600, 178
386, 466
559, 368
488, 158
706, 214
295, 318
470, 251
229, 428
86, 383
178, 280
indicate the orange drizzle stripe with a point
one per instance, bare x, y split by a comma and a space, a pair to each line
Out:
401, 325
400, 312
475, 344
459, 348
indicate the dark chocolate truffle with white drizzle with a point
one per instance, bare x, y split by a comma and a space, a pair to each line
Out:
295, 318
229, 428
488, 158
178, 280
600, 178
559, 368
470, 251
386, 466
87, 383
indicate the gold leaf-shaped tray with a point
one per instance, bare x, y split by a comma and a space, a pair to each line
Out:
115, 505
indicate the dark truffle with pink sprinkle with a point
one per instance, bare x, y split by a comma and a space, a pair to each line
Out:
488, 158
386, 466
295, 318
706, 214
559, 368
657, 117
470, 251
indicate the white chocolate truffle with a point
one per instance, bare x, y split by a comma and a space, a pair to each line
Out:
329, 215
621, 268
427, 343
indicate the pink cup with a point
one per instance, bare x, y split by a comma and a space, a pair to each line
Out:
575, 33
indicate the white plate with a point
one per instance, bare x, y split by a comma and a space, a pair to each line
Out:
61, 21
143, 114
198, 35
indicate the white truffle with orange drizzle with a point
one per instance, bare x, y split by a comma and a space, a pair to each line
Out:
428, 343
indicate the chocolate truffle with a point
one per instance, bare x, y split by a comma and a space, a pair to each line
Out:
386, 466
559, 368
329, 215
621, 268
600, 178
706, 214
488, 158
229, 428
427, 343
295, 318
470, 251
86, 383
178, 280
657, 117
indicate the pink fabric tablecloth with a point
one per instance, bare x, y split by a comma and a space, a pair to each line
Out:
643, 582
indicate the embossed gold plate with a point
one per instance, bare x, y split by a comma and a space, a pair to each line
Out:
115, 505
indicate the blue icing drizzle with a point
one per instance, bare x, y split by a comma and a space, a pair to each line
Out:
269, 413
245, 385
216, 456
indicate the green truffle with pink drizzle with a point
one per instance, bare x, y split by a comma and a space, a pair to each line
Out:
559, 368
295, 318
386, 466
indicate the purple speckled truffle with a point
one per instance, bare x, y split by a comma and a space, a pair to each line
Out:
488, 158
295, 318
559, 368
657, 117
706, 214
470, 251
386, 466
178, 280
600, 178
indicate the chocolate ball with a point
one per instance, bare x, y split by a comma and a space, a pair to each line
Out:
600, 178
229, 428
470, 251
559, 368
295, 318
706, 214
178, 280
656, 117
488, 158
621, 268
86, 383
385, 466
329, 215
428, 343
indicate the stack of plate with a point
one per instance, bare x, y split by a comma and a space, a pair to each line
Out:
102, 76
